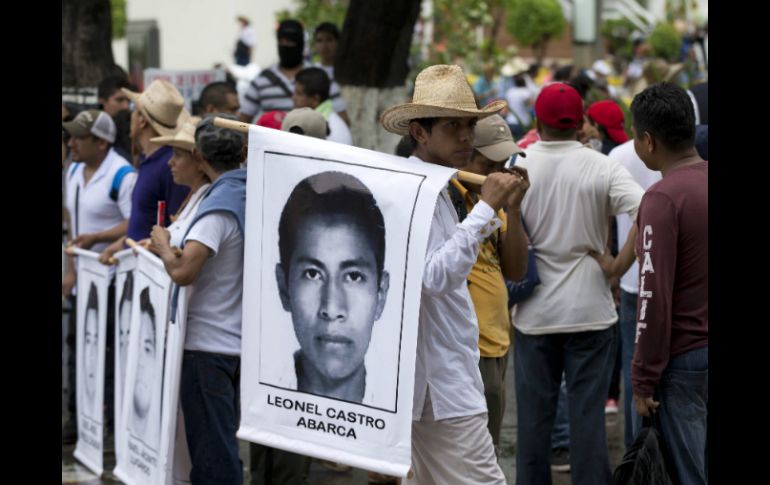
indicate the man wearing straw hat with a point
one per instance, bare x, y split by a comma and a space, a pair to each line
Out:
450, 439
159, 112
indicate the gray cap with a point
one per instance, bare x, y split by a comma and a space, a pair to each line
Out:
312, 122
494, 139
92, 122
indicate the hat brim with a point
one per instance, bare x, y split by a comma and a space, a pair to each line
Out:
174, 142
396, 119
500, 152
618, 135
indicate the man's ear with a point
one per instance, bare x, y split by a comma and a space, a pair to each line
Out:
283, 287
382, 294
649, 142
418, 133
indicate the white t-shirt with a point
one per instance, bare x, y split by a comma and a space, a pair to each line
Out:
338, 130
96, 212
626, 156
519, 99
574, 190
214, 312
179, 226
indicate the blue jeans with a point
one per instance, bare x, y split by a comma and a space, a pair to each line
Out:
560, 434
210, 395
683, 392
539, 361
627, 324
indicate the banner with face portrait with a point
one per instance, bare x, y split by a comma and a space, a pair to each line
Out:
124, 297
92, 286
334, 254
139, 454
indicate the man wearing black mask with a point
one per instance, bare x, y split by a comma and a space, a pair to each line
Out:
273, 88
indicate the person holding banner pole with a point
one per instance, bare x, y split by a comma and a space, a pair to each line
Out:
212, 261
98, 202
450, 439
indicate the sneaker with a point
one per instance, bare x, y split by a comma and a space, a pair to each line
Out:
560, 460
611, 407
69, 433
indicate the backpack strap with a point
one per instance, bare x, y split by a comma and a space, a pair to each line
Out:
73, 168
276, 81
116, 181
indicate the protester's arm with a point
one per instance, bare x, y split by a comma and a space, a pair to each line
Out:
108, 252
449, 262
70, 276
657, 245
184, 268
86, 241
513, 250
617, 266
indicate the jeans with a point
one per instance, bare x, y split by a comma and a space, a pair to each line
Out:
560, 434
627, 327
539, 361
683, 411
210, 395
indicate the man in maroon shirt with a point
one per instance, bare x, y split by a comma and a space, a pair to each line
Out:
670, 365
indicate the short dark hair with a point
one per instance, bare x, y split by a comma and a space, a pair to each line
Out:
128, 290
145, 306
329, 28
220, 147
314, 80
110, 84
427, 125
558, 133
93, 298
215, 94
331, 194
666, 112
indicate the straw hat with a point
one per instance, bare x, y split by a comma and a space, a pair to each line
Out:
656, 71
439, 91
162, 105
184, 138
513, 67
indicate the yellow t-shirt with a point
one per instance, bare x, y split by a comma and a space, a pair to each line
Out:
487, 288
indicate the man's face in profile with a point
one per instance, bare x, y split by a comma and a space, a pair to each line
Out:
145, 367
333, 293
91, 341
124, 332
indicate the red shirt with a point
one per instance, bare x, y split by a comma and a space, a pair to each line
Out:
672, 246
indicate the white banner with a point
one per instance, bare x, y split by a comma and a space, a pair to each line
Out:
92, 285
140, 460
334, 253
124, 296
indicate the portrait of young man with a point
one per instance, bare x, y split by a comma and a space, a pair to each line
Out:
144, 425
331, 278
90, 354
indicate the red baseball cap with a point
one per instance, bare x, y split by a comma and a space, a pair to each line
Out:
271, 119
559, 106
609, 115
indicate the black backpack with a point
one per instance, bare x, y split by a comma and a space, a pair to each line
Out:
646, 460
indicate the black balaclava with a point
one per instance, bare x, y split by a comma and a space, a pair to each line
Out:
291, 56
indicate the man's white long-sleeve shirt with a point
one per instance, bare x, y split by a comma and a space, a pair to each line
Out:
448, 335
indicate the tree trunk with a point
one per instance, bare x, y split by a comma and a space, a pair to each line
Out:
372, 65
86, 47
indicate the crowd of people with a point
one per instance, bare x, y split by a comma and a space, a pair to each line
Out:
607, 201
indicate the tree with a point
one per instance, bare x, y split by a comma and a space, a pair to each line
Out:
86, 47
534, 22
313, 12
371, 65
666, 42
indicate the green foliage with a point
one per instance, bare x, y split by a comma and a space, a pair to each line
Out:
665, 42
455, 25
532, 22
617, 35
312, 13
118, 18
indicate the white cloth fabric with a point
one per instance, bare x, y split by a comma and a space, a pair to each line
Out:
179, 226
96, 211
574, 190
519, 100
626, 156
448, 335
248, 36
214, 310
456, 450
338, 130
